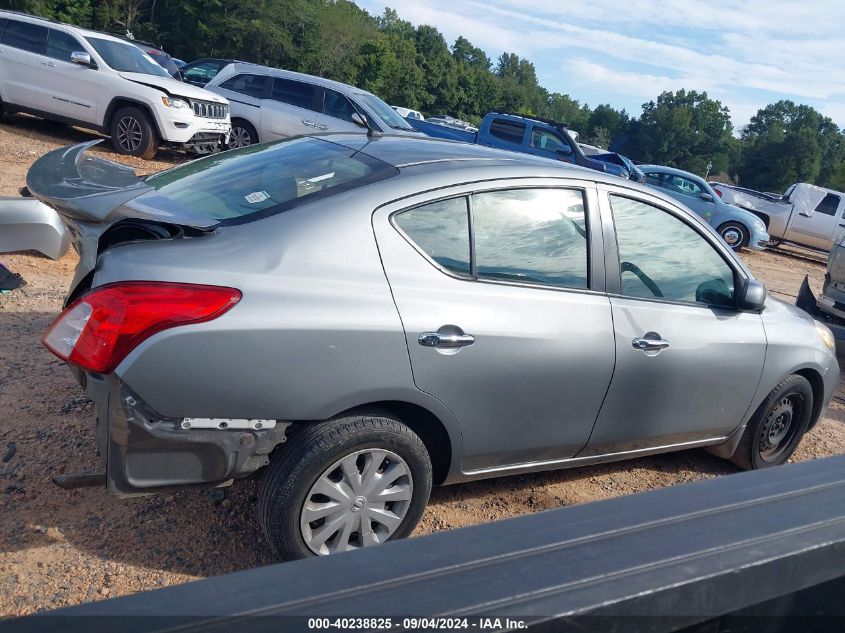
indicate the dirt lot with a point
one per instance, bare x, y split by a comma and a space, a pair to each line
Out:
62, 547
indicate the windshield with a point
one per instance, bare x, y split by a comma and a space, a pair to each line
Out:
384, 112
126, 58
261, 180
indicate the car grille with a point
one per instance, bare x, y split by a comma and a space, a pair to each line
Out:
210, 110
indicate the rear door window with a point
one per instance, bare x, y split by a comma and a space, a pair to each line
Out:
828, 205
246, 84
508, 131
25, 36
60, 45
536, 236
295, 93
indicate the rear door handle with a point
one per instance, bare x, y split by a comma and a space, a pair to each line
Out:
322, 127
449, 341
50, 64
309, 123
650, 344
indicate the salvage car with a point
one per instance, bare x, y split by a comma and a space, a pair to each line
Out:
102, 83
358, 319
270, 103
739, 228
805, 214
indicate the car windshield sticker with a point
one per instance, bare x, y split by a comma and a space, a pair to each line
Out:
323, 177
257, 196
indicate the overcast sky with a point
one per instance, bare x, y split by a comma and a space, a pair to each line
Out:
746, 54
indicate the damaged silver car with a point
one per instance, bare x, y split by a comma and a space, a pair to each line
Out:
362, 318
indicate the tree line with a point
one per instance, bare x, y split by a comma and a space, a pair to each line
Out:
415, 67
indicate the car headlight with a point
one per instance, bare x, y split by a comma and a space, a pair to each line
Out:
179, 104
826, 335
759, 225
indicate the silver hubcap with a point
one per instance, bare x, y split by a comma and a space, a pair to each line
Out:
129, 133
358, 501
732, 236
239, 138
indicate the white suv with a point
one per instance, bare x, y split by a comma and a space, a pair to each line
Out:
61, 72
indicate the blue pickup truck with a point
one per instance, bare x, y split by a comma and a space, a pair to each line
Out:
529, 135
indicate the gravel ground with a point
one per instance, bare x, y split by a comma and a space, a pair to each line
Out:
62, 547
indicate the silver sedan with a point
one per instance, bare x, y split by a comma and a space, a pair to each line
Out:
363, 318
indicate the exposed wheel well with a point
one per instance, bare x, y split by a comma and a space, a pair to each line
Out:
426, 425
817, 384
121, 102
762, 216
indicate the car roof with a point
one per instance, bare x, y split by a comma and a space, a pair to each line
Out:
290, 74
670, 170
26, 17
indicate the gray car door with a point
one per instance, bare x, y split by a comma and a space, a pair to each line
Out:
687, 362
291, 109
511, 330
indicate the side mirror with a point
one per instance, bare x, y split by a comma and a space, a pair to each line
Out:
83, 59
752, 296
357, 119
706, 197
564, 151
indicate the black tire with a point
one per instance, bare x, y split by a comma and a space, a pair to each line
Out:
133, 134
312, 449
792, 398
245, 134
736, 235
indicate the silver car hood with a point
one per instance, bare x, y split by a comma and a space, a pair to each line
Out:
173, 87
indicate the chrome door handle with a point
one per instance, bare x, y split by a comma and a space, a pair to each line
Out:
50, 64
322, 127
309, 123
649, 344
436, 339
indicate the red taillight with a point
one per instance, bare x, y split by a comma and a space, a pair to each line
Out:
718, 192
98, 330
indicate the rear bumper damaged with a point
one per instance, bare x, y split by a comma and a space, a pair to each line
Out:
146, 453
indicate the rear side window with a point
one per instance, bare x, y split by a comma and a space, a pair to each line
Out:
249, 85
441, 231
662, 257
508, 131
295, 93
260, 180
828, 205
60, 45
26, 36
531, 235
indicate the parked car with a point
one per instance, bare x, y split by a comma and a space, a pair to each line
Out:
61, 72
597, 153
408, 113
450, 121
806, 215
527, 135
328, 309
201, 71
269, 103
739, 228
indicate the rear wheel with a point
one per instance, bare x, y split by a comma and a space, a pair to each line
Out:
243, 134
133, 134
778, 425
734, 234
344, 484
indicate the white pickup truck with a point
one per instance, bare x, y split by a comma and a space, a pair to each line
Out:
806, 214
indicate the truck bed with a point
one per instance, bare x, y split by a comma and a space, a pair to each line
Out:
442, 131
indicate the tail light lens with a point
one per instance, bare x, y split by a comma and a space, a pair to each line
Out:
718, 192
97, 331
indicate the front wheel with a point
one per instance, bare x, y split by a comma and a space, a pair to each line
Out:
133, 134
773, 432
344, 484
734, 234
